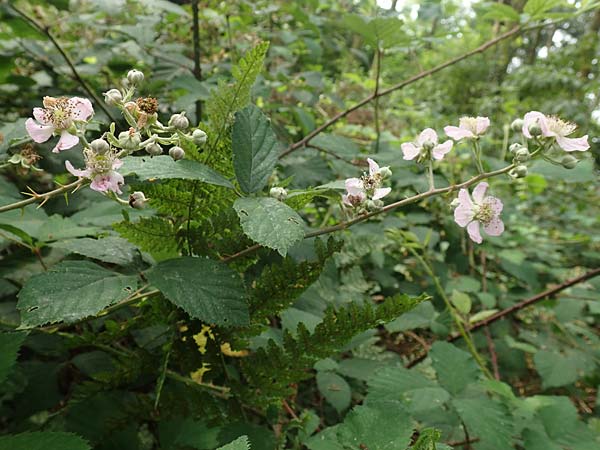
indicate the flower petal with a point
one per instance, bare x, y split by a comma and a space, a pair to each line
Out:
481, 124
573, 144
117, 163
463, 215
531, 118
77, 172
428, 134
373, 166
474, 232
495, 205
479, 192
494, 227
39, 133
410, 150
40, 116
457, 133
66, 141
82, 108
354, 186
465, 198
381, 192
439, 151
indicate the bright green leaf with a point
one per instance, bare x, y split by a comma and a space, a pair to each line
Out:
461, 301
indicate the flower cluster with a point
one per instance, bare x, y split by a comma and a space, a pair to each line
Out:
367, 191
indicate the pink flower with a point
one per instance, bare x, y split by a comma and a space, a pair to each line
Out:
58, 116
481, 210
426, 142
101, 169
552, 126
376, 176
355, 193
468, 128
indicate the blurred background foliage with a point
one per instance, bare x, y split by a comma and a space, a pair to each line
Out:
323, 58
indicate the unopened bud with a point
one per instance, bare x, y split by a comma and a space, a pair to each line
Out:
278, 193
522, 154
428, 145
129, 140
569, 162
454, 203
137, 200
385, 172
514, 147
535, 129
199, 137
113, 97
518, 172
154, 149
176, 153
517, 125
100, 146
374, 205
179, 121
135, 77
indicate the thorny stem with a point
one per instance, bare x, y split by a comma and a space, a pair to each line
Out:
44, 197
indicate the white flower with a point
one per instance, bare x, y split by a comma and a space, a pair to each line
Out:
482, 210
554, 127
426, 142
468, 128
101, 169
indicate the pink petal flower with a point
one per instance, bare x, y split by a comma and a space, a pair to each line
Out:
381, 192
40, 116
457, 133
82, 108
66, 141
474, 232
110, 181
117, 163
465, 198
440, 150
427, 135
479, 192
495, 204
573, 144
494, 227
373, 166
39, 133
354, 186
410, 151
531, 118
77, 172
482, 124
463, 215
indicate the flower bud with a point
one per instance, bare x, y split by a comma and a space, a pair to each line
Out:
454, 203
514, 147
374, 205
522, 154
535, 129
100, 146
199, 137
176, 153
385, 172
569, 162
518, 172
179, 121
278, 193
154, 149
428, 145
137, 200
129, 140
135, 77
113, 97
517, 125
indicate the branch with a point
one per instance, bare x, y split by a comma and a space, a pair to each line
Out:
197, 66
46, 31
391, 206
43, 197
401, 85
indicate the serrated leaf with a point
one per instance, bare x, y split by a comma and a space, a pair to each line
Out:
558, 369
10, 343
206, 289
270, 222
43, 440
455, 368
112, 250
499, 11
70, 291
255, 149
461, 301
488, 421
240, 443
335, 389
164, 167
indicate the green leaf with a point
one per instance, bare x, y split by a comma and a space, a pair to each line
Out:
206, 289
481, 315
335, 390
240, 443
164, 167
384, 428
428, 438
558, 369
43, 440
10, 343
461, 301
112, 250
255, 149
455, 368
270, 222
488, 421
537, 8
499, 11
70, 291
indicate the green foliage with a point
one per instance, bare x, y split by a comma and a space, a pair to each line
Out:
10, 343
43, 440
255, 149
155, 235
240, 443
112, 250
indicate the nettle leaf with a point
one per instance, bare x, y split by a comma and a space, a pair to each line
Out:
335, 389
70, 291
164, 167
10, 343
240, 443
255, 149
206, 289
43, 440
270, 222
455, 368
112, 250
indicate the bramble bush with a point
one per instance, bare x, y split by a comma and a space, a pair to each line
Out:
229, 225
